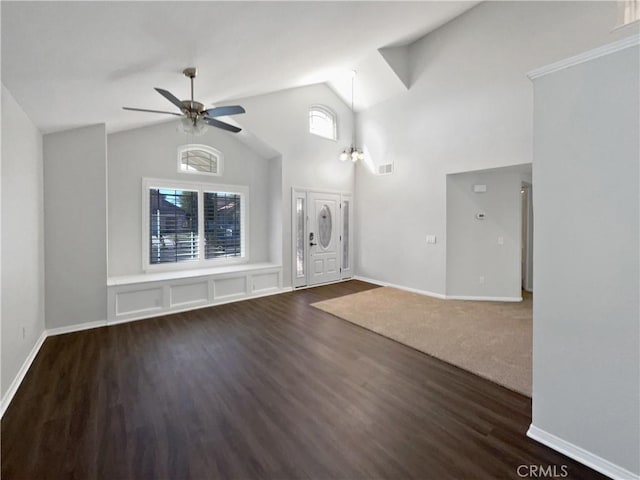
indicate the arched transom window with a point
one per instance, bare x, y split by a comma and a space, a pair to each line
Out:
322, 122
199, 159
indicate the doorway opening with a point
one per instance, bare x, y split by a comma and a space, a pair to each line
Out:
321, 236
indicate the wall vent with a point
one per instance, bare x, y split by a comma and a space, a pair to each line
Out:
386, 169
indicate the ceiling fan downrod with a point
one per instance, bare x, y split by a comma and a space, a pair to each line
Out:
194, 110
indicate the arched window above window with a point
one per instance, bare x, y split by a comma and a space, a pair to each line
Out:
199, 159
322, 122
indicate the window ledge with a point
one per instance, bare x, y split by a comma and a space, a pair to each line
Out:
177, 274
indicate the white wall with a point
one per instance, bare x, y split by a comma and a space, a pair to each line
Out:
586, 358
75, 226
23, 238
153, 152
473, 249
275, 210
469, 107
281, 120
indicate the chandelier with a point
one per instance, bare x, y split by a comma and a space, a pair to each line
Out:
353, 152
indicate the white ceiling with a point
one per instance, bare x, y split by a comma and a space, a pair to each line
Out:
72, 64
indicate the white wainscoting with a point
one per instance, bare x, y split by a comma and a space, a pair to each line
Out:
142, 296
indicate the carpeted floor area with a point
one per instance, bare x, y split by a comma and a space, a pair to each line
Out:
490, 339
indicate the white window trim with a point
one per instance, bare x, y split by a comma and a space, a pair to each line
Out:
201, 188
623, 7
326, 110
197, 146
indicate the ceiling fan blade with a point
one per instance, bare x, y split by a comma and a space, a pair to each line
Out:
171, 97
151, 111
221, 111
224, 126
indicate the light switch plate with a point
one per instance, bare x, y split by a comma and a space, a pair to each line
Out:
431, 239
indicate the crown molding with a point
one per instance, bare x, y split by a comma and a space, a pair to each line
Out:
627, 42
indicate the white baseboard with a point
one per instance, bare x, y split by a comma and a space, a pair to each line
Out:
438, 295
581, 455
484, 299
13, 388
305, 287
75, 328
369, 280
399, 287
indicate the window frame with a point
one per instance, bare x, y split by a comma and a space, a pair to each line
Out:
206, 148
331, 114
623, 6
201, 188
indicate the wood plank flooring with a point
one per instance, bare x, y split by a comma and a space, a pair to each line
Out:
270, 388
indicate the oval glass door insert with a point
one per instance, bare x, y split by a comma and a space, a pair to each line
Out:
324, 226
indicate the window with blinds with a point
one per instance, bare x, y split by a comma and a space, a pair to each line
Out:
193, 224
173, 226
222, 224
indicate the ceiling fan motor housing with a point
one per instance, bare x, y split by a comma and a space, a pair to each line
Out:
193, 108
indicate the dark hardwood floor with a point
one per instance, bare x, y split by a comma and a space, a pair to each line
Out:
270, 388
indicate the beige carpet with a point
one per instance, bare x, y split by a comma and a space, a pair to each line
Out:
490, 339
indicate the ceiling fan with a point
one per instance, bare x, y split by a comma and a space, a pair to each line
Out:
194, 112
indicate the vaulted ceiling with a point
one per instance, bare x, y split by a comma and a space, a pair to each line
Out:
72, 64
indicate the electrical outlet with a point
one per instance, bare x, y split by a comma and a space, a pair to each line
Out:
481, 280
500, 240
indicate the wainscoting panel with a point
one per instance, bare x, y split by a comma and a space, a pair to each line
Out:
151, 295
265, 282
228, 288
139, 300
189, 294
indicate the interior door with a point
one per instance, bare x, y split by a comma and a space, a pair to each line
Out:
323, 237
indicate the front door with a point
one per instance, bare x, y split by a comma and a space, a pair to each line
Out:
323, 237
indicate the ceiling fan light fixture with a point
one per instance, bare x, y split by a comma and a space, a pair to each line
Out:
190, 126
